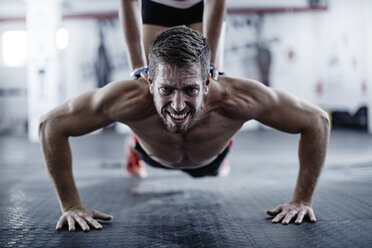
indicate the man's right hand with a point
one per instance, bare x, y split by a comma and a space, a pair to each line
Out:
84, 217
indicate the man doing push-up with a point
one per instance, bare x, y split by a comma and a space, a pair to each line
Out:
182, 119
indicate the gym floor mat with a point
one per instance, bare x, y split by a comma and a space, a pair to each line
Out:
171, 209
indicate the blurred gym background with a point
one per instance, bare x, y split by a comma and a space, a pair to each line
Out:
319, 50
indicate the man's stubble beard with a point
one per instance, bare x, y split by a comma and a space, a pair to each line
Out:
179, 128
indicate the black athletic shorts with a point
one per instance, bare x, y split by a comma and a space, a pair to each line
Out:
208, 170
166, 16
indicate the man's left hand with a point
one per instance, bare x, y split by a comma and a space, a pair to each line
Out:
288, 211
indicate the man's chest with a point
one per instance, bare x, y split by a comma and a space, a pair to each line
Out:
199, 146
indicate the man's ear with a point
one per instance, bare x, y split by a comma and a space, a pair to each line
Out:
207, 82
151, 85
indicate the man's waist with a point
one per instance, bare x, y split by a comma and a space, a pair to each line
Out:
184, 163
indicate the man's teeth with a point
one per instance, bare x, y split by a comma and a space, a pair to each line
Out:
178, 117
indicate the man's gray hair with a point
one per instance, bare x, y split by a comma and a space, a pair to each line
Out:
179, 46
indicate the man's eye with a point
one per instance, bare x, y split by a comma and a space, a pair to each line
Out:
191, 90
166, 90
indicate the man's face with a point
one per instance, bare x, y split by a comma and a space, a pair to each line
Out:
178, 95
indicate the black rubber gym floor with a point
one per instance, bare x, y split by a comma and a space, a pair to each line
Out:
171, 209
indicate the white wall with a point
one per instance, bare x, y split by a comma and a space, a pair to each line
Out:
328, 48
80, 56
368, 58
13, 84
330, 51
341, 57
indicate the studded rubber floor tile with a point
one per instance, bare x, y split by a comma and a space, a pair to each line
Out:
171, 209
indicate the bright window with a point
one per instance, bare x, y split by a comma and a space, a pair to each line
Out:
62, 38
14, 48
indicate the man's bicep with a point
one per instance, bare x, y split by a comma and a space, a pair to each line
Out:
286, 112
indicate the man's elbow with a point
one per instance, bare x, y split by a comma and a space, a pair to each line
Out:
323, 123
43, 126
48, 126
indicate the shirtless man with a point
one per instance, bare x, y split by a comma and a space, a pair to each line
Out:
182, 119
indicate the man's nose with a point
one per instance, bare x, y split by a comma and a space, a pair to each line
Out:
178, 102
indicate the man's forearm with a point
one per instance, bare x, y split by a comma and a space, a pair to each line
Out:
57, 155
213, 15
312, 153
130, 18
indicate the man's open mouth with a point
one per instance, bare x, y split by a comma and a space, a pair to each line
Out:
178, 118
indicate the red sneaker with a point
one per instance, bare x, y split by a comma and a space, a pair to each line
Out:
225, 168
134, 165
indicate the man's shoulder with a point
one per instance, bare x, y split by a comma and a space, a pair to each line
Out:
123, 90
232, 89
238, 98
236, 83
125, 98
125, 86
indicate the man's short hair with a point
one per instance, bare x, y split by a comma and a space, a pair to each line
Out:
179, 46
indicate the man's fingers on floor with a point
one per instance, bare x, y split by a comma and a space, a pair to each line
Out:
101, 216
300, 216
279, 217
288, 217
311, 215
61, 222
83, 224
71, 223
93, 223
274, 211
